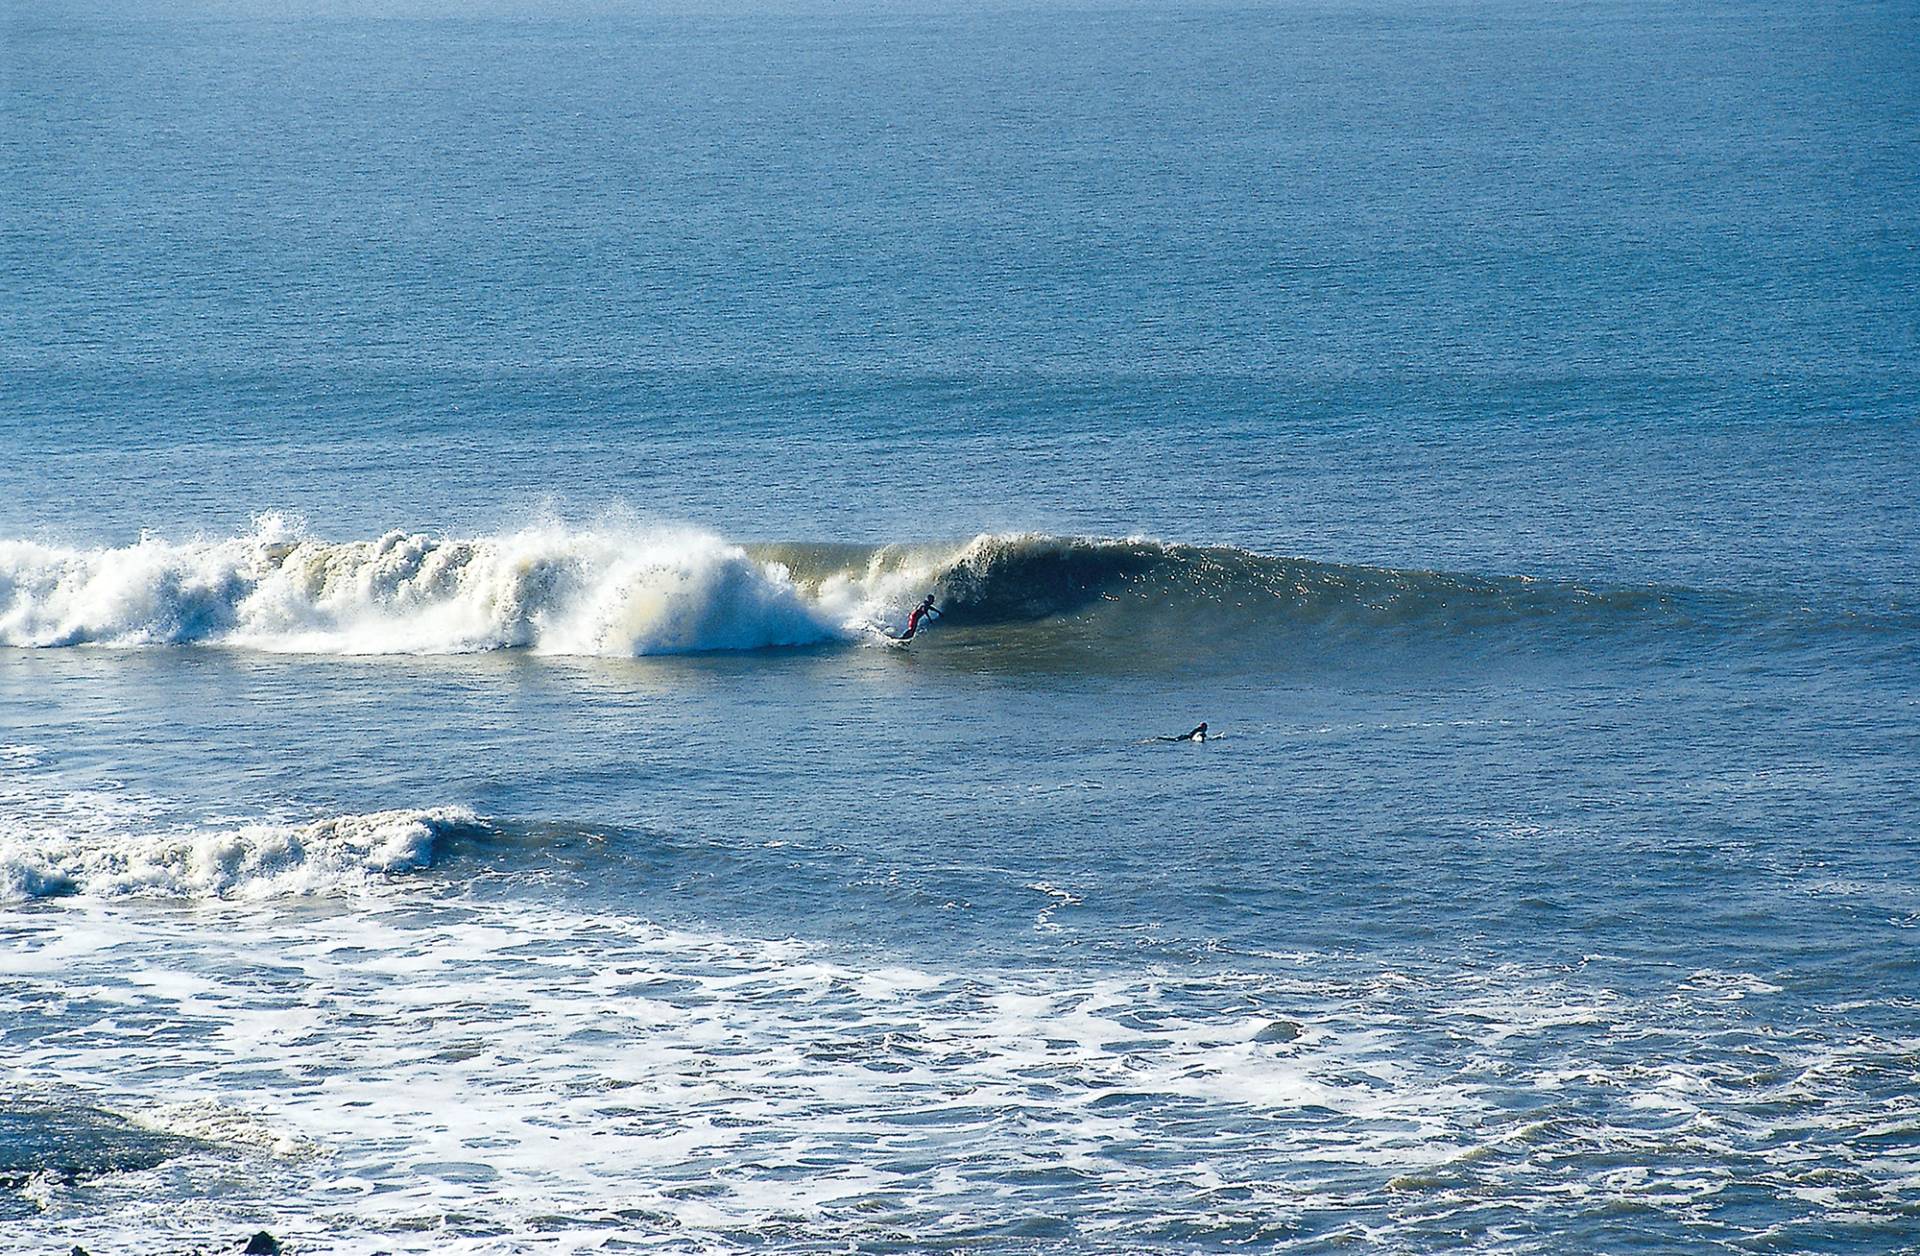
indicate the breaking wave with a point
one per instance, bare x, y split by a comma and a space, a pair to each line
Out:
94, 850
625, 591
549, 589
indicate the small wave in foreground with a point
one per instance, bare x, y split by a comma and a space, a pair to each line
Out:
89, 851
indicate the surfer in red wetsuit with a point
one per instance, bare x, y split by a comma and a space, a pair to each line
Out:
921, 614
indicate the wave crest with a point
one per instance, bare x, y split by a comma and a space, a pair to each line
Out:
248, 861
549, 589
624, 591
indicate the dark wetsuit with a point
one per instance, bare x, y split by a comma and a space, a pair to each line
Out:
914, 620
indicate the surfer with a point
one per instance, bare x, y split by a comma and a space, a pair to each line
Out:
1198, 734
921, 613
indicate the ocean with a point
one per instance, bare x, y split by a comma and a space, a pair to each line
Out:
459, 464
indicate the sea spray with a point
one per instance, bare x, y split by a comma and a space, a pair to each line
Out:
549, 589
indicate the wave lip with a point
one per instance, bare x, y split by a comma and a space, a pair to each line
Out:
248, 861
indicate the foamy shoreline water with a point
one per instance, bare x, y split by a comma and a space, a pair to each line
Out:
770, 1092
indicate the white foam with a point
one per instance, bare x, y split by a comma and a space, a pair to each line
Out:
104, 846
502, 1077
22, 756
514, 1063
211, 1122
615, 590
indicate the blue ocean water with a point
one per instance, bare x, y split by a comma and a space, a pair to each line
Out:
459, 461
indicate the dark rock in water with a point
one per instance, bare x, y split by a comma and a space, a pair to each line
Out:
71, 1142
1279, 1031
263, 1244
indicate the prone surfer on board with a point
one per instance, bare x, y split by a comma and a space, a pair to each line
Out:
921, 614
1198, 734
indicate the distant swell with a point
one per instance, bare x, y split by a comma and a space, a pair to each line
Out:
102, 856
625, 591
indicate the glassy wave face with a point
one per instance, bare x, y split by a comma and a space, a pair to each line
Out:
633, 591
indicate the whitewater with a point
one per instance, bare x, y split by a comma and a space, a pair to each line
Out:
547, 589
